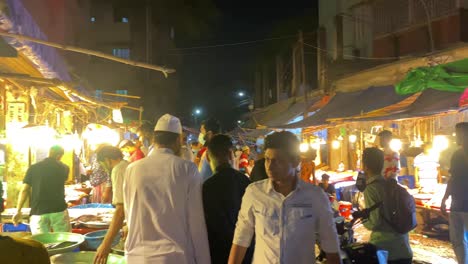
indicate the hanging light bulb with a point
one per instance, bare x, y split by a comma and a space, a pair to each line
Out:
352, 138
303, 147
315, 144
336, 144
396, 144
440, 143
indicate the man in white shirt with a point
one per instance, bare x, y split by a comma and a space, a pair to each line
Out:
391, 168
284, 212
163, 204
427, 171
208, 129
111, 159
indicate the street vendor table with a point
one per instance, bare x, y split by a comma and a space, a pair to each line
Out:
428, 209
103, 211
336, 177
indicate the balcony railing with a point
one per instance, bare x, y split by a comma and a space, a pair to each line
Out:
394, 15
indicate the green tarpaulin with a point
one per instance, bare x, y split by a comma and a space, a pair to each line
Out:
451, 77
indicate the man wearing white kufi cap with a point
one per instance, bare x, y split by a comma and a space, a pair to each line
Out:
163, 203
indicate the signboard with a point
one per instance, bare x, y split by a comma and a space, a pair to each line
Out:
16, 113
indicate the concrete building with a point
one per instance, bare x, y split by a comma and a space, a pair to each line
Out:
376, 42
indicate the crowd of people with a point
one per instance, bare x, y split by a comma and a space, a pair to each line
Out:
218, 207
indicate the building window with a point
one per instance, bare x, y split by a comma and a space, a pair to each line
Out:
121, 53
93, 19
124, 20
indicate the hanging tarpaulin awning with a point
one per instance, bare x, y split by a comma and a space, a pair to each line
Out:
450, 77
430, 102
15, 18
281, 113
349, 104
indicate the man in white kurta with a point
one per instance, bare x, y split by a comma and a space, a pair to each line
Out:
163, 204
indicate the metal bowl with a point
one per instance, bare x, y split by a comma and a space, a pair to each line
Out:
52, 241
84, 257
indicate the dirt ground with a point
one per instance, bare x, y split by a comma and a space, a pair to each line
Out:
425, 249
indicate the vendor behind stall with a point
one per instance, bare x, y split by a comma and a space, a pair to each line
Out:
426, 165
100, 180
47, 181
326, 186
131, 150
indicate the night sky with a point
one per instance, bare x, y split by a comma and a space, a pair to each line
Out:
212, 77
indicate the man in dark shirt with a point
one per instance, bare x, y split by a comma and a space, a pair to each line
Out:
258, 172
47, 181
326, 186
456, 187
222, 197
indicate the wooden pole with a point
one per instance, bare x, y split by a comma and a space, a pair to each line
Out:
65, 87
303, 68
99, 54
279, 79
294, 72
123, 95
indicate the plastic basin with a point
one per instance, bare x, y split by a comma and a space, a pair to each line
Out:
48, 239
84, 257
94, 239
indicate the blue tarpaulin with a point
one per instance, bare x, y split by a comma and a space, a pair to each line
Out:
16, 19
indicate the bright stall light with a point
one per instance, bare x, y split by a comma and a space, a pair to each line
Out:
352, 138
336, 144
440, 143
396, 144
418, 142
97, 134
340, 138
303, 147
315, 145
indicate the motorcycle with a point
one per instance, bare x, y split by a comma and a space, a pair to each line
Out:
353, 252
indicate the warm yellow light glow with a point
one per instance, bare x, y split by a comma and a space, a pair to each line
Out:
70, 142
440, 143
315, 145
340, 138
395, 144
336, 144
304, 147
98, 134
352, 138
418, 142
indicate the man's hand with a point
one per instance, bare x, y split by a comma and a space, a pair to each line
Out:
443, 208
124, 232
17, 218
102, 253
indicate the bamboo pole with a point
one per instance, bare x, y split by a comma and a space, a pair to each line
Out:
123, 95
99, 54
65, 87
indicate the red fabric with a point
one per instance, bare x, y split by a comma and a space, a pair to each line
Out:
243, 161
201, 151
464, 99
137, 155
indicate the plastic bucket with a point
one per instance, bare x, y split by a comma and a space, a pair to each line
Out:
345, 209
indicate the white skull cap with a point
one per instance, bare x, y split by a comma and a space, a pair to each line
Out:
169, 123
